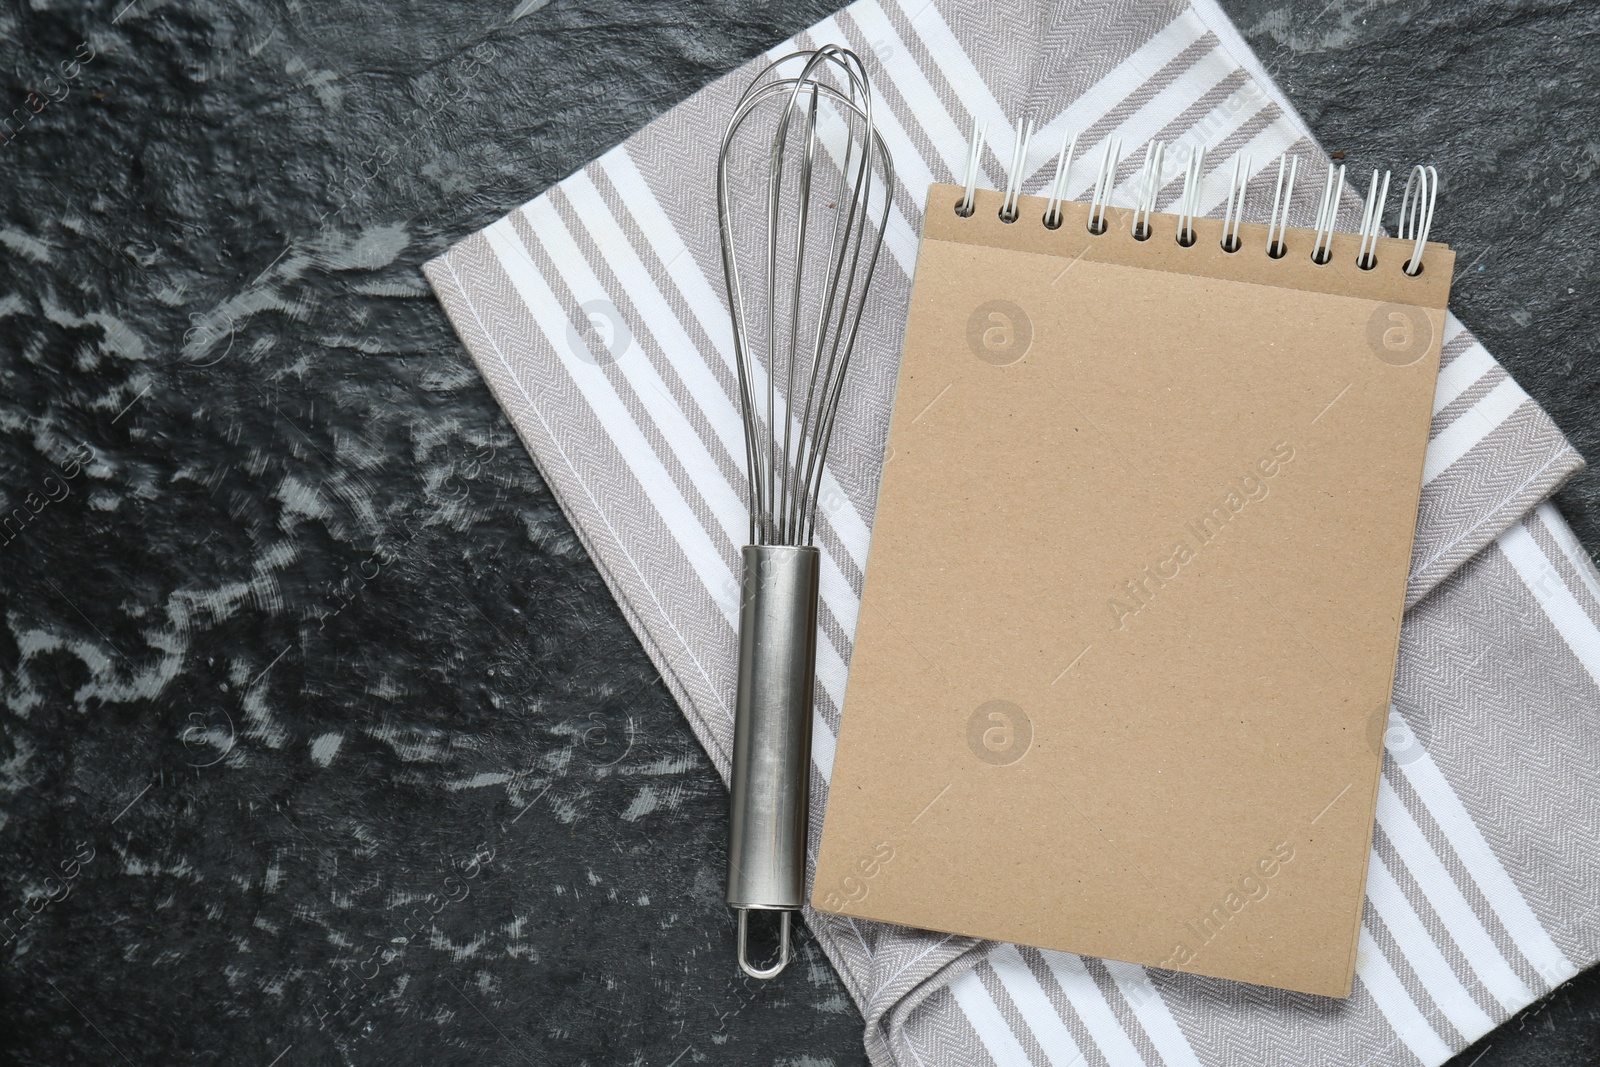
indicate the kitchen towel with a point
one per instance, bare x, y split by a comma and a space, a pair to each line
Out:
596, 314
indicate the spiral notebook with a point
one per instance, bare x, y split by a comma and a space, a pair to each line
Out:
1132, 605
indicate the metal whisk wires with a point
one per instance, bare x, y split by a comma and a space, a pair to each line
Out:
805, 247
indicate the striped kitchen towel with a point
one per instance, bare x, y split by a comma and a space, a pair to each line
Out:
597, 316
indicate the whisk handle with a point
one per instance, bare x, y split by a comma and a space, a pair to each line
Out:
772, 727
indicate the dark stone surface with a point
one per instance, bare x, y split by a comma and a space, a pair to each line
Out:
298, 647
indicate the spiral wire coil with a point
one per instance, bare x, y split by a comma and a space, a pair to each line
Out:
1414, 223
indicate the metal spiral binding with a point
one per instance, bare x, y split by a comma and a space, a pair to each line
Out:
1278, 227
1155, 154
1102, 185
1235, 214
1194, 173
1058, 188
1416, 217
1327, 208
1416, 206
1371, 221
1019, 157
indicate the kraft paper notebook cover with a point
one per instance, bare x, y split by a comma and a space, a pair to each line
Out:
1134, 593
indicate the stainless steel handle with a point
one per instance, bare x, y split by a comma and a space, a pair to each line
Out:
772, 736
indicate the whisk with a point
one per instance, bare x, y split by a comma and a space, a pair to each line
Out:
796, 181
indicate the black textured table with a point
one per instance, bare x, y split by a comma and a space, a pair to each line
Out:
317, 719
